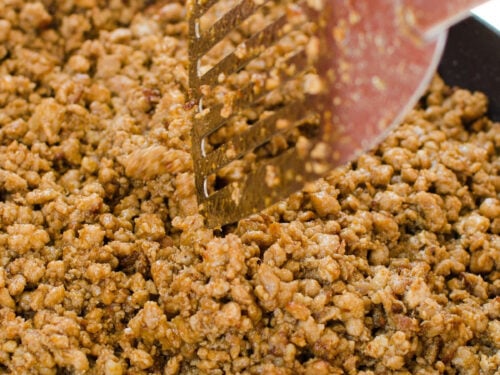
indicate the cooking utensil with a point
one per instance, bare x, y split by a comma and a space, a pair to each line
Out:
364, 65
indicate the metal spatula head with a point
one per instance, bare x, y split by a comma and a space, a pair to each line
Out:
288, 90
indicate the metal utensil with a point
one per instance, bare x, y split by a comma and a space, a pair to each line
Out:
362, 66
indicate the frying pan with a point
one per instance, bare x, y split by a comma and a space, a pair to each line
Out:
471, 60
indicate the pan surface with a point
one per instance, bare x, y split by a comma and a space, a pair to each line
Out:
472, 60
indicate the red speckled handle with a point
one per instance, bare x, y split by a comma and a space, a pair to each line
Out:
433, 16
430, 17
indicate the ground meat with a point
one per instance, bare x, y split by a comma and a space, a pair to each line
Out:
388, 265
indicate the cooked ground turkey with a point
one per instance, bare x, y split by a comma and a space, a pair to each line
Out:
389, 265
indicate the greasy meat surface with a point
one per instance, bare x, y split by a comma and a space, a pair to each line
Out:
389, 265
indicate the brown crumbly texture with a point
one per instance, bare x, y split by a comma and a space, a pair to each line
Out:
389, 265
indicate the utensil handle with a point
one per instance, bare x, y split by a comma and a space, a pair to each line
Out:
431, 17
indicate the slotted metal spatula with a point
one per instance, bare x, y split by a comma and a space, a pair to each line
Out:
338, 75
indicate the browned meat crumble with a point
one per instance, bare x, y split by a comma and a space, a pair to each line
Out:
389, 265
